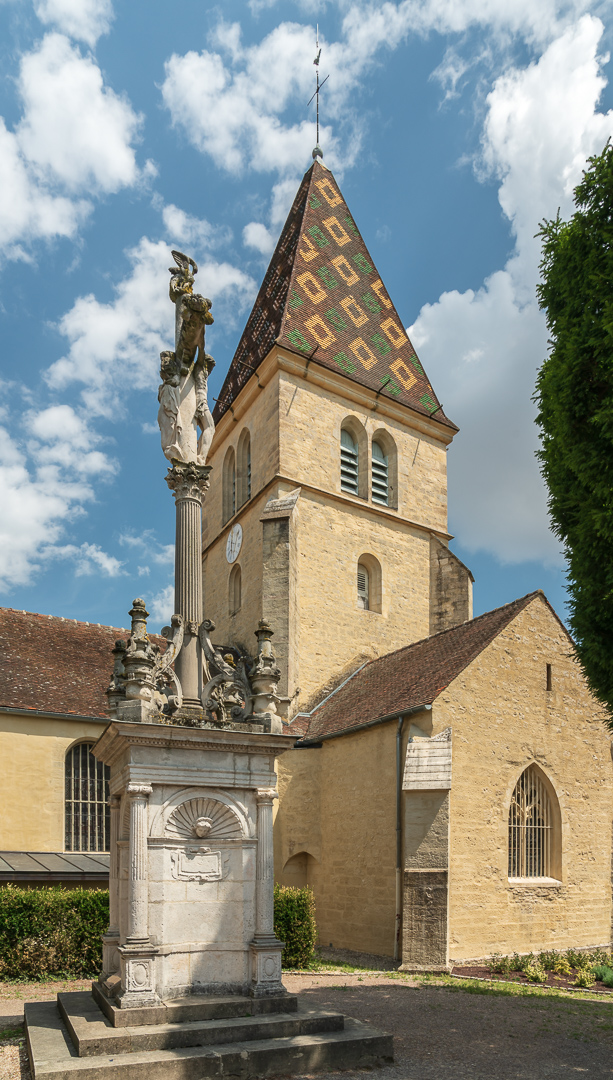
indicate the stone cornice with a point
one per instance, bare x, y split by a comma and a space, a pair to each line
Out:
283, 359
120, 735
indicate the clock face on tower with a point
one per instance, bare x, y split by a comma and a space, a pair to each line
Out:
233, 543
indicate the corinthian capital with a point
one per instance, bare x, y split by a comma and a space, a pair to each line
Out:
188, 481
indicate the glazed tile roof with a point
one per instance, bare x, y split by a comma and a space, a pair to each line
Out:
55, 665
322, 297
414, 675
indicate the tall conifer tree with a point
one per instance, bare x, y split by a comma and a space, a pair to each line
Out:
574, 395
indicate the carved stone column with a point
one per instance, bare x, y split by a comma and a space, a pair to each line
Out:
188, 484
265, 947
110, 940
137, 955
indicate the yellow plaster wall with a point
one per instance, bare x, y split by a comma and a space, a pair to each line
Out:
337, 804
32, 751
503, 718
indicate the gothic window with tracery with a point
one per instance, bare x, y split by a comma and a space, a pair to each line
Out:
531, 828
87, 813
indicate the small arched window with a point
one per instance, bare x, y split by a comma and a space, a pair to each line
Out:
234, 590
369, 592
349, 463
243, 470
87, 814
380, 478
534, 828
363, 583
229, 485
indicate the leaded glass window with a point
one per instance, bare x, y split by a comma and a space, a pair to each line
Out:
530, 828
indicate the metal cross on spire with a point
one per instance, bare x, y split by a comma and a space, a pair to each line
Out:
317, 152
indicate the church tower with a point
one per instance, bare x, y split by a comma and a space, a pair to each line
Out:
327, 511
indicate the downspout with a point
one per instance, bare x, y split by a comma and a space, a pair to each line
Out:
399, 868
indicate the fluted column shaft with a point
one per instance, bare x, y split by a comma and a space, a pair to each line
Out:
189, 484
115, 802
188, 592
138, 885
264, 910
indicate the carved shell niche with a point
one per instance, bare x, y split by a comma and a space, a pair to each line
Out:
222, 823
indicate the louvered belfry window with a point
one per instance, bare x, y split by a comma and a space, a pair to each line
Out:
380, 479
87, 814
362, 586
349, 464
530, 828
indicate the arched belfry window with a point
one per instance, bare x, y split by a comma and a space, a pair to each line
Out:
384, 469
229, 485
354, 457
534, 828
349, 463
380, 478
243, 468
234, 589
87, 815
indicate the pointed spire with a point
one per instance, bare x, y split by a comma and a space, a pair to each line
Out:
322, 297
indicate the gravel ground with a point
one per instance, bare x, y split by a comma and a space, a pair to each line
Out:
440, 1032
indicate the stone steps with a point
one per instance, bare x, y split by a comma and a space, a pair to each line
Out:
194, 1007
92, 1034
265, 1052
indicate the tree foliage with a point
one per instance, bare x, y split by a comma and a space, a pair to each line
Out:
574, 395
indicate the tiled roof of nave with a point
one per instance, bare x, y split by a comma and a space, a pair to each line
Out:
56, 665
411, 676
322, 297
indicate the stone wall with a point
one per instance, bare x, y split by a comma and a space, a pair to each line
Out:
503, 718
451, 588
32, 751
337, 805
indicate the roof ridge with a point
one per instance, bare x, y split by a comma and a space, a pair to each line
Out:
64, 618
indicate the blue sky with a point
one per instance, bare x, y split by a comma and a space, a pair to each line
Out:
453, 127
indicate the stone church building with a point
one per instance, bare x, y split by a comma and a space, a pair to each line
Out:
451, 791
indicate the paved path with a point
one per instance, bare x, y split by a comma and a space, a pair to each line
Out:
440, 1033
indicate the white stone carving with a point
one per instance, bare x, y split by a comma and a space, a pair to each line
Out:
139, 975
203, 818
428, 763
196, 864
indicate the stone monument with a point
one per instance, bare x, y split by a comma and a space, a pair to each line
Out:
191, 982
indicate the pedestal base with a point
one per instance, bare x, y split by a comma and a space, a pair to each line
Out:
266, 967
137, 976
110, 955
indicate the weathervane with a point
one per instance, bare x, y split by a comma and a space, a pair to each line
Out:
317, 151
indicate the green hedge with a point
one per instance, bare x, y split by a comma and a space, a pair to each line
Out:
55, 933
50, 933
295, 925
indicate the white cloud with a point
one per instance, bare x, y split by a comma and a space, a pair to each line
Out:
183, 228
117, 344
85, 20
484, 347
75, 130
86, 558
75, 139
62, 437
256, 235
162, 605
36, 503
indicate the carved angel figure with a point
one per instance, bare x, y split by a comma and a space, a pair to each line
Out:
186, 423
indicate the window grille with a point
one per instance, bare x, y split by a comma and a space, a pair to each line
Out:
362, 586
380, 481
349, 464
87, 814
530, 828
